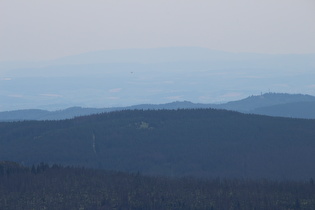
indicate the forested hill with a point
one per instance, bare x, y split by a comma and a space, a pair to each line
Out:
200, 142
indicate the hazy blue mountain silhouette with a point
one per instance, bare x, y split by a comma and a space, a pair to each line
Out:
251, 103
272, 104
304, 110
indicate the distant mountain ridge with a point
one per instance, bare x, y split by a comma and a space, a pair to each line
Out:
251, 103
304, 110
271, 104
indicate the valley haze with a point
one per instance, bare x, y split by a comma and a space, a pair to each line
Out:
116, 78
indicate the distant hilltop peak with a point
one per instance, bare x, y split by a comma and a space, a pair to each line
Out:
286, 97
264, 100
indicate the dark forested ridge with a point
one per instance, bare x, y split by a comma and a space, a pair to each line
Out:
200, 143
66, 188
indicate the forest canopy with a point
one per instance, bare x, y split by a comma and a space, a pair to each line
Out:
200, 143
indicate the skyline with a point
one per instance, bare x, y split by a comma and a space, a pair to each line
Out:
58, 54
36, 30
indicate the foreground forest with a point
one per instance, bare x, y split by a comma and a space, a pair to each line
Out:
67, 188
200, 143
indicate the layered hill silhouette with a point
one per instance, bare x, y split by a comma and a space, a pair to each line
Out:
183, 142
272, 104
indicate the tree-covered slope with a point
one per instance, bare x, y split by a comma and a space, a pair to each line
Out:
57, 187
202, 143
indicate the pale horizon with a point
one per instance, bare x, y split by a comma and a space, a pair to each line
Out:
36, 30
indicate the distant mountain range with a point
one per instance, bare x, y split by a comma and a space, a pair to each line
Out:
272, 104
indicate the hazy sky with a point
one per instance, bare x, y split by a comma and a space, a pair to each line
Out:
38, 29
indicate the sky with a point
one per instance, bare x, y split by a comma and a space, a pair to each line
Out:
41, 30
35, 30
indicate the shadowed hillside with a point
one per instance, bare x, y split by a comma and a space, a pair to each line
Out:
201, 143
